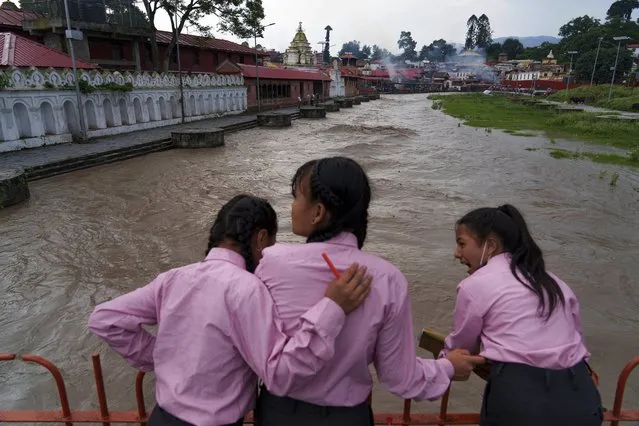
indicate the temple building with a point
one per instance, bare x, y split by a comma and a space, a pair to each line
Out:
299, 53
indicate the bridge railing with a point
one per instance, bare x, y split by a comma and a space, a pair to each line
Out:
64, 414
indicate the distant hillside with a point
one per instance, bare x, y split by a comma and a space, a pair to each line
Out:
531, 41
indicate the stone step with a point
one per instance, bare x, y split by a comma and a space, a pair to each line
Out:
92, 160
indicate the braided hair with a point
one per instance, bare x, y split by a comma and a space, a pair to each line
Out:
527, 262
238, 220
341, 185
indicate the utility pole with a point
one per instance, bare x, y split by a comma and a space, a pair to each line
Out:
257, 68
571, 53
70, 36
594, 67
179, 60
614, 69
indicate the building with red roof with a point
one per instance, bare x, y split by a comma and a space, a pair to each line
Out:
18, 51
124, 47
283, 86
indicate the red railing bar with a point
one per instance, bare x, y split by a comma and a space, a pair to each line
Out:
406, 414
443, 406
404, 419
99, 386
139, 396
131, 417
59, 382
621, 387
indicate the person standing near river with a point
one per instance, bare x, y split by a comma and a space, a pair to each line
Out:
331, 197
526, 321
217, 326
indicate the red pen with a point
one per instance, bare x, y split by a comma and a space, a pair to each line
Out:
330, 265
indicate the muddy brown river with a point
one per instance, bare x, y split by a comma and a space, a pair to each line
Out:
91, 235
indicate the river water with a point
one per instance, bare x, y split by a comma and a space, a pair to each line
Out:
91, 235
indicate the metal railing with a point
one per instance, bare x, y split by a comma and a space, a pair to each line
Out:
140, 414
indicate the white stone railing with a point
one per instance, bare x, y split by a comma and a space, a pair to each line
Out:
35, 78
40, 108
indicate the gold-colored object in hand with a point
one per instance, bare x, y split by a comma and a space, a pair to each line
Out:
433, 342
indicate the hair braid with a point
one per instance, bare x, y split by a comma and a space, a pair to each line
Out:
239, 220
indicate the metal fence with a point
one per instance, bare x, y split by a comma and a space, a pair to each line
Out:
119, 12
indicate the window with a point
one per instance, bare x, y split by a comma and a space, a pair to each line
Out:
241, 61
147, 52
117, 51
196, 58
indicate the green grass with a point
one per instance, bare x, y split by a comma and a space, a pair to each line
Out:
498, 112
622, 97
602, 158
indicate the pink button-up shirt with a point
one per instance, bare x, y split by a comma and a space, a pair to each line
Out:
496, 310
216, 327
379, 332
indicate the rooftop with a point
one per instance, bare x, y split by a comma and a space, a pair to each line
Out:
284, 73
19, 51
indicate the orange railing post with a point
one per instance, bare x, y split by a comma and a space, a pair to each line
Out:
99, 386
621, 388
59, 382
139, 396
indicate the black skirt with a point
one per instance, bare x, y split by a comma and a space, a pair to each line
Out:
521, 395
161, 417
274, 410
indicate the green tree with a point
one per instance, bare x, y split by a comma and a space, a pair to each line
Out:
493, 51
354, 47
379, 53
538, 53
484, 32
407, 44
622, 10
577, 26
241, 18
471, 33
125, 12
513, 48
603, 73
366, 52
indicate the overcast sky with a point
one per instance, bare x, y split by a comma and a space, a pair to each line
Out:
381, 21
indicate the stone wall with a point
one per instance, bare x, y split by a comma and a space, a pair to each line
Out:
39, 107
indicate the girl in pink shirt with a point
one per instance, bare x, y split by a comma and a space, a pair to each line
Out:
216, 326
330, 209
514, 312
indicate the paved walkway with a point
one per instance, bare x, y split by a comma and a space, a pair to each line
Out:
33, 157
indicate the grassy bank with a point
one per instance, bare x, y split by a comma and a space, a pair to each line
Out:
623, 98
499, 112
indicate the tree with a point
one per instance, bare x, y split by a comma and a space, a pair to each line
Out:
471, 34
603, 72
484, 32
577, 26
245, 44
407, 43
241, 18
539, 53
493, 51
125, 13
622, 10
379, 53
366, 52
353, 47
513, 48
437, 51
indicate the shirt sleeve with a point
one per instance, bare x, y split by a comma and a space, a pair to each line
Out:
467, 325
397, 365
278, 360
573, 305
119, 323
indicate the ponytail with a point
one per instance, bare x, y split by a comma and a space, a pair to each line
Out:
527, 262
238, 220
341, 185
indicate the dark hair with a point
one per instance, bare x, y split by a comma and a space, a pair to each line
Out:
238, 220
507, 223
341, 185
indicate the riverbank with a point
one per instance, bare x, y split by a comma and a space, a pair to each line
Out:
518, 119
622, 99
